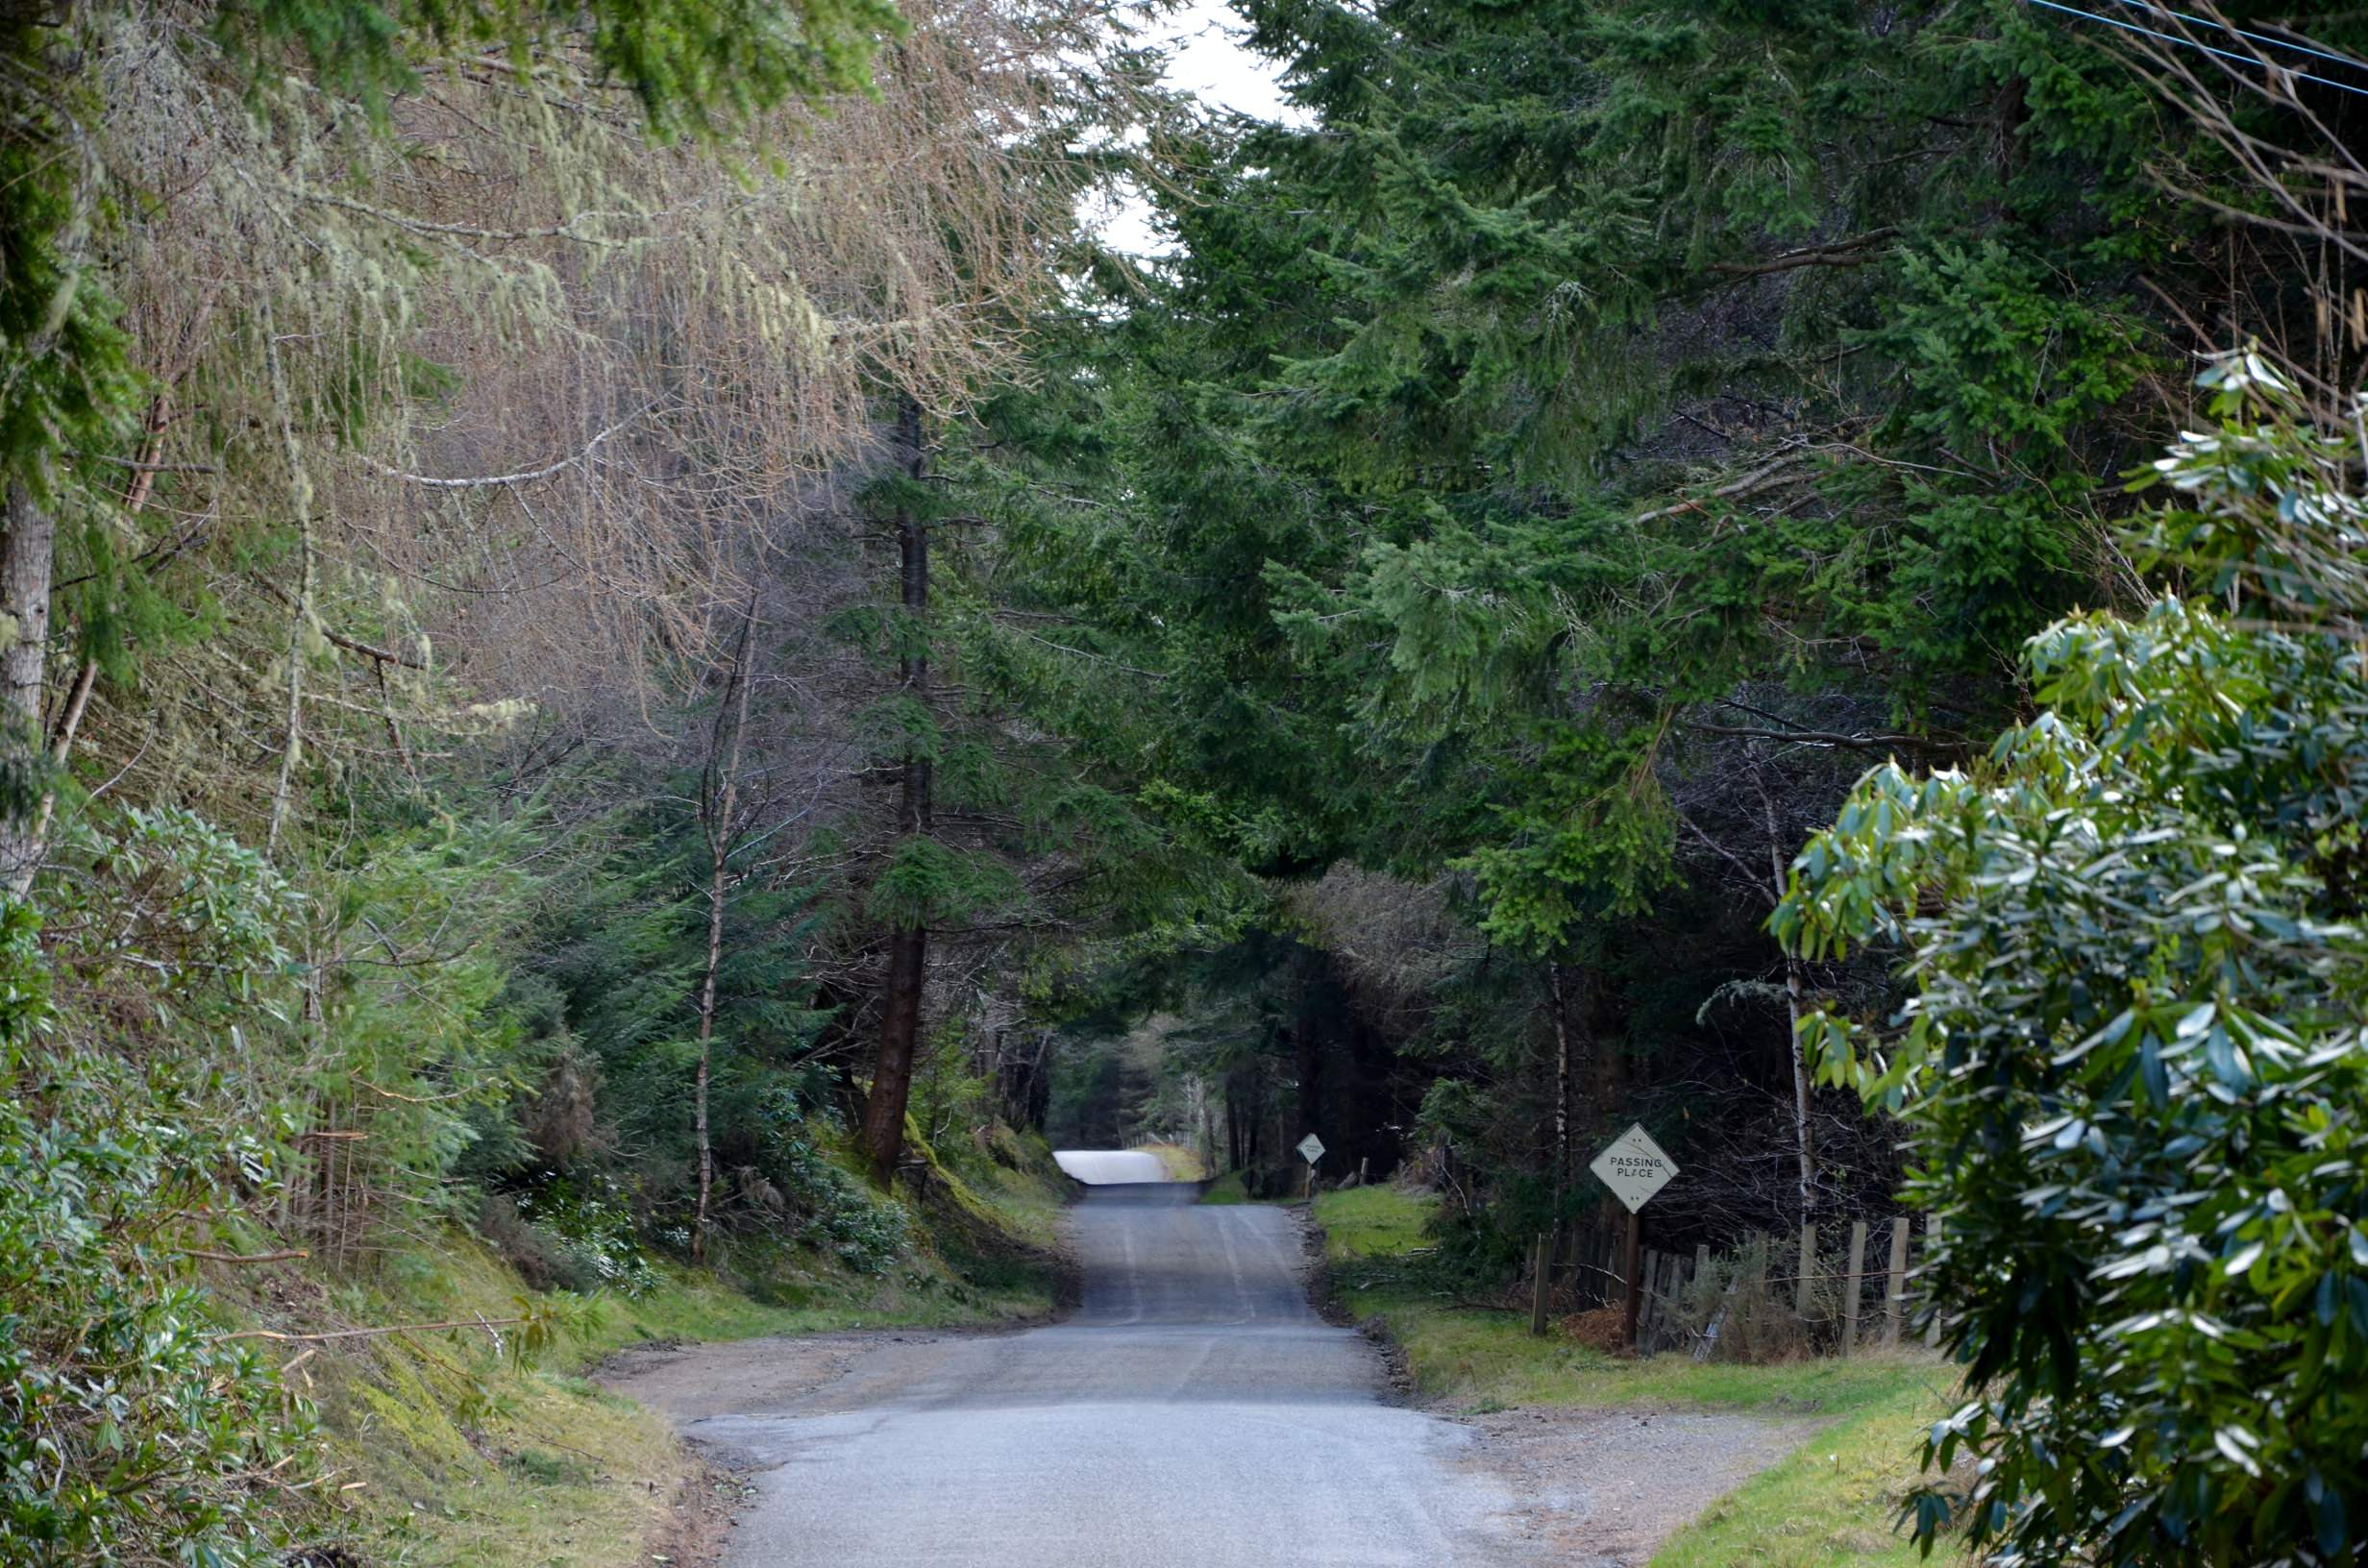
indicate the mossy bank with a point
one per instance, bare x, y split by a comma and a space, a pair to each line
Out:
481, 1439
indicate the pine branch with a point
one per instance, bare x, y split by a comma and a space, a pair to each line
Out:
1758, 479
351, 645
1824, 737
1847, 253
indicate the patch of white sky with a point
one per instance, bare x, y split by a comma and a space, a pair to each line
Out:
1208, 59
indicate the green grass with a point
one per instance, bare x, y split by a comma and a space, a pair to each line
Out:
1226, 1189
1831, 1503
687, 1306
696, 1308
1374, 1222
1233, 1188
452, 1454
1490, 1359
1181, 1164
1028, 1203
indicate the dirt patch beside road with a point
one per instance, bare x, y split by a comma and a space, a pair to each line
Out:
693, 1382
1603, 1488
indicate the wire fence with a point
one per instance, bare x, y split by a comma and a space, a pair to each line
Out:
1845, 1286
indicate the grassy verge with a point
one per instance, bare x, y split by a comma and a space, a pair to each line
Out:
449, 1450
1226, 1189
1234, 1187
1181, 1163
1832, 1503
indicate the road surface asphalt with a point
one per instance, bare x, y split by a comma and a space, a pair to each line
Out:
1193, 1413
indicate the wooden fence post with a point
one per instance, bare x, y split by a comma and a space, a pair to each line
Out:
1932, 1253
1896, 1297
1722, 1316
1808, 1269
1852, 1286
1664, 1270
1672, 1276
1540, 1283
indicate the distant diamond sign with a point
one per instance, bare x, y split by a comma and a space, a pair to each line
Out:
1311, 1148
1634, 1167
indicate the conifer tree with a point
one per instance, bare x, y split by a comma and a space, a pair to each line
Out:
1585, 389
905, 894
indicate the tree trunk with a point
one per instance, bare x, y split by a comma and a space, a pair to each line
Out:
716, 890
719, 801
1805, 1152
1023, 1085
1801, 1134
1253, 1144
87, 678
1562, 1087
908, 946
899, 1031
300, 492
1038, 1105
28, 549
28, 532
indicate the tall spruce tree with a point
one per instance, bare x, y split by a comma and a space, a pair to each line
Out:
1584, 390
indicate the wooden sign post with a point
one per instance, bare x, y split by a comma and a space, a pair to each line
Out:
1631, 1273
1634, 1167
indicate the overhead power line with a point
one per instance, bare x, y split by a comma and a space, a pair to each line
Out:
2270, 40
2224, 54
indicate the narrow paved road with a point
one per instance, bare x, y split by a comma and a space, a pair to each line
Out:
1193, 1413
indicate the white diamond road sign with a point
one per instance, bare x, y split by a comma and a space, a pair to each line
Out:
1311, 1148
1634, 1167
